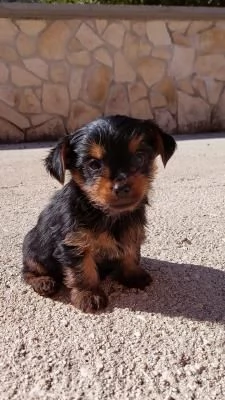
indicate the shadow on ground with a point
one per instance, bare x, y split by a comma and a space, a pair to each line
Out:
178, 290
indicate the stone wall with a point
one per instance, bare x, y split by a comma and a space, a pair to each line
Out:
56, 75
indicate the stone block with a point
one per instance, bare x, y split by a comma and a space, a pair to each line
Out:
49, 130
55, 99
151, 70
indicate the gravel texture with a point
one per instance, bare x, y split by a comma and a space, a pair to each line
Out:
165, 343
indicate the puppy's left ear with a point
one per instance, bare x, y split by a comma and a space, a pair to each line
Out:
57, 160
166, 146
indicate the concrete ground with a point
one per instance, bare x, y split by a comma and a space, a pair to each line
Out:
167, 342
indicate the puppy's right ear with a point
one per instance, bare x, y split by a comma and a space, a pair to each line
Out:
57, 160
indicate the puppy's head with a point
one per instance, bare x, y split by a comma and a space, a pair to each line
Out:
112, 160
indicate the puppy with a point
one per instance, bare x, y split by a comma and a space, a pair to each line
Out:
96, 221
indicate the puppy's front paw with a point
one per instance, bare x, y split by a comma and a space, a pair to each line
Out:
138, 279
44, 286
89, 301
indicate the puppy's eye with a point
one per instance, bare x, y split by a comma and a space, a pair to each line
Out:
137, 161
95, 165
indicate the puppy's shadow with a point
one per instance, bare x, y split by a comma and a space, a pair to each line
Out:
177, 290
190, 291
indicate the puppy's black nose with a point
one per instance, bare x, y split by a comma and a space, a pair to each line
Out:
121, 189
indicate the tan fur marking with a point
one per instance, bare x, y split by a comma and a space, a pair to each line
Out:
77, 178
140, 185
97, 151
101, 191
85, 276
81, 240
130, 263
89, 271
87, 242
135, 143
132, 240
35, 268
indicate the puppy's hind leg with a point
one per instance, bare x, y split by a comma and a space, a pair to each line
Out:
36, 275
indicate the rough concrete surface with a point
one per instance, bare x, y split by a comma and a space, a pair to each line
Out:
167, 342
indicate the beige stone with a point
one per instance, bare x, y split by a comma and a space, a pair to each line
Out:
218, 116
55, 99
73, 25
214, 90
117, 102
91, 23
20, 77
211, 66
49, 130
96, 84
145, 48
199, 86
157, 100
220, 23
103, 56
8, 30
181, 40
131, 46
81, 114
136, 90
80, 58
114, 34
75, 83
212, 41
37, 66
186, 86
151, 70
157, 33
101, 24
26, 45
28, 103
165, 120
59, 72
8, 94
4, 73
88, 37
10, 133
13, 116
8, 53
38, 93
182, 62
38, 119
31, 27
178, 26
74, 45
168, 89
139, 28
162, 52
141, 109
127, 24
198, 26
123, 72
193, 113
52, 42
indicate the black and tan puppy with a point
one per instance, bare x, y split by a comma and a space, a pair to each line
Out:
97, 219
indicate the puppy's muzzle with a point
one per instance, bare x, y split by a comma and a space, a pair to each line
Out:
121, 188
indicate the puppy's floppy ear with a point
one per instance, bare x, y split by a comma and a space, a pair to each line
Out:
57, 160
166, 146
163, 143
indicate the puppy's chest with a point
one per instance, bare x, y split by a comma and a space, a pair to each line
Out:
106, 244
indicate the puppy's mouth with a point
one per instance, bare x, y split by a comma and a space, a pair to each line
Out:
123, 206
